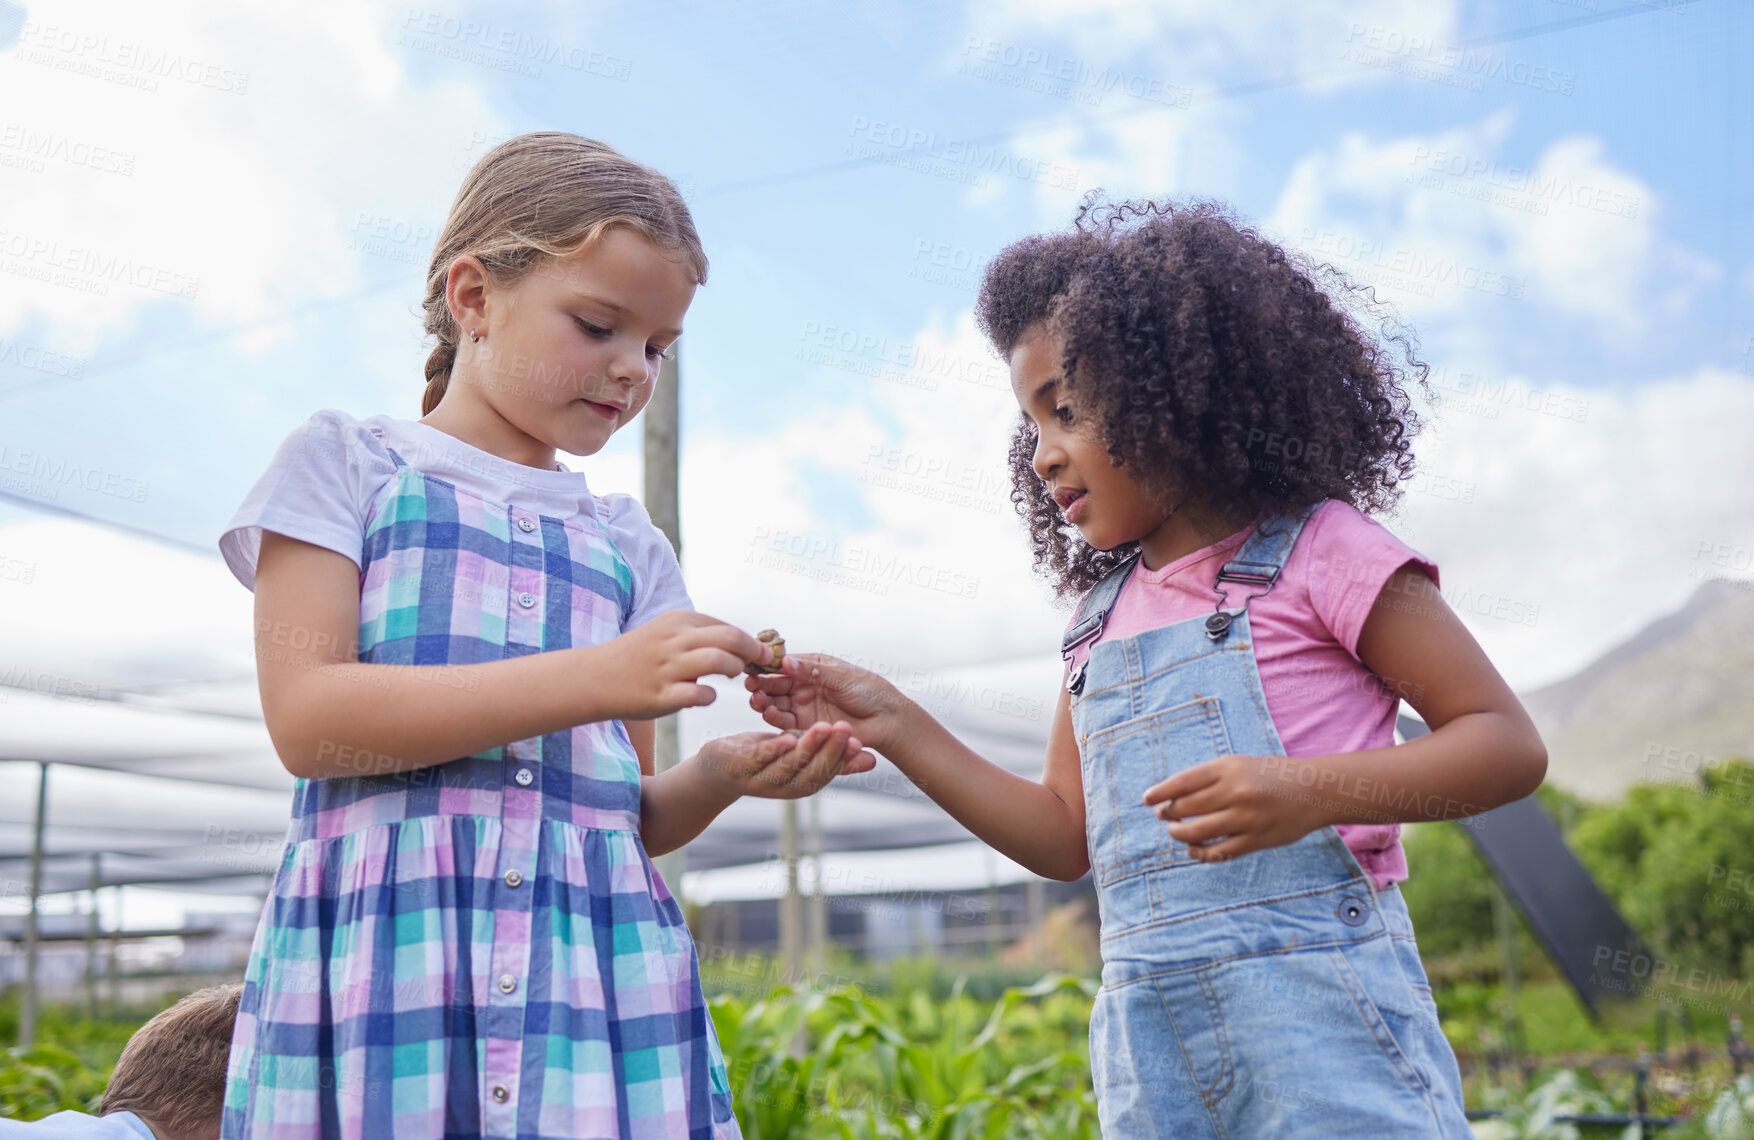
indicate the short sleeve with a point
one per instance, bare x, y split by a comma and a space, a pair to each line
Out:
1352, 556
317, 488
657, 576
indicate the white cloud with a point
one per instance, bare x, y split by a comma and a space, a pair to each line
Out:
235, 160
1210, 41
1115, 115
1448, 227
882, 532
88, 605
1563, 520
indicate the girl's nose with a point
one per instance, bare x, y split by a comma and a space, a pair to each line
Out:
1047, 459
629, 367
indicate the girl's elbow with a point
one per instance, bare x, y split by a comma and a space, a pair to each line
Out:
1535, 764
297, 753
1069, 867
299, 760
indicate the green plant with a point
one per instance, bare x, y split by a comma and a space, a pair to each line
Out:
843, 1063
45, 1079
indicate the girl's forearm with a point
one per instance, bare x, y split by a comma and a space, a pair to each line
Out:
1025, 821
677, 804
361, 719
1474, 763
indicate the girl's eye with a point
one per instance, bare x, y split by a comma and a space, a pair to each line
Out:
652, 352
1063, 413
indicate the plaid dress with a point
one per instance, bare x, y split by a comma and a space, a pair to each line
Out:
480, 948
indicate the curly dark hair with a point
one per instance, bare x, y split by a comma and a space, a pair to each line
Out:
1212, 362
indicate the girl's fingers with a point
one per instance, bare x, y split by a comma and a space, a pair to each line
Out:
827, 761
1206, 827
1219, 852
1182, 783
688, 695
1205, 800
772, 683
729, 638
795, 759
704, 660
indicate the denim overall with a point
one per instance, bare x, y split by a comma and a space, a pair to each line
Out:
1276, 994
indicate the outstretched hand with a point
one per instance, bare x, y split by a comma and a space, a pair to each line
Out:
785, 765
815, 688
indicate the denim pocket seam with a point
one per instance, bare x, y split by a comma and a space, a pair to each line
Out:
1226, 1078
1379, 1028
1198, 706
1204, 708
1311, 893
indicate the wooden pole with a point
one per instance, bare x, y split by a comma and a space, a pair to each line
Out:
115, 970
791, 905
818, 900
91, 942
663, 503
27, 1015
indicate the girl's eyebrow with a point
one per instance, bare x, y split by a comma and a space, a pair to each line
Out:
618, 310
1045, 388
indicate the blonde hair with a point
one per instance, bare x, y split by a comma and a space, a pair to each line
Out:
545, 194
172, 1071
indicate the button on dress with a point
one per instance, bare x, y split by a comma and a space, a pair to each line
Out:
482, 947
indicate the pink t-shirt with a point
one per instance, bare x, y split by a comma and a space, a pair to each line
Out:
1321, 697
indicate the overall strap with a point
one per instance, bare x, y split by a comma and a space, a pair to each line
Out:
1258, 563
1092, 615
378, 432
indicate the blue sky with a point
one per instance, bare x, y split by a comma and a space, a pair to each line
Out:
1555, 195
1584, 161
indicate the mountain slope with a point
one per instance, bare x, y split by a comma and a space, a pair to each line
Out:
1675, 695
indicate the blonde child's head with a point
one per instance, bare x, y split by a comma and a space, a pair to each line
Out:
172, 1071
556, 286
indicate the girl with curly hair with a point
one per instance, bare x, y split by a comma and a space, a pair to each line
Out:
1205, 430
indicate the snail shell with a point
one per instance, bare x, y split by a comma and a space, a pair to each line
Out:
773, 641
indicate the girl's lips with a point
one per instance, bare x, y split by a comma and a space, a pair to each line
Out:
607, 411
1073, 507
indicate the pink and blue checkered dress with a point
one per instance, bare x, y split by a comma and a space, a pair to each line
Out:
480, 948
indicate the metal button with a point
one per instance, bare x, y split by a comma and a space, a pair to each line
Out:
526, 525
507, 983
1353, 911
523, 776
526, 599
513, 878
500, 1093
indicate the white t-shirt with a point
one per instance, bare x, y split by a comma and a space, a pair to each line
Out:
322, 479
78, 1126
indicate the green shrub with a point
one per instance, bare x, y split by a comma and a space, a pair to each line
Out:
45, 1079
843, 1063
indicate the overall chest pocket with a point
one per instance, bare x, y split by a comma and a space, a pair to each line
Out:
1121, 762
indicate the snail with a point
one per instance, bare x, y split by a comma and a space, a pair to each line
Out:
773, 641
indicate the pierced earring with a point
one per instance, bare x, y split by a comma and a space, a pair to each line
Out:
473, 335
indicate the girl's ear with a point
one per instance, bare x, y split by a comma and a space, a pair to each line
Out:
466, 287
